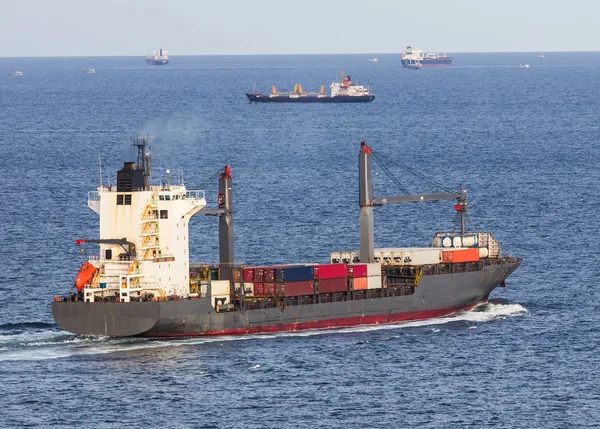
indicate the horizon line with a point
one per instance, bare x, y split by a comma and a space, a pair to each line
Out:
288, 54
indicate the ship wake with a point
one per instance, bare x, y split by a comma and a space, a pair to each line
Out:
40, 341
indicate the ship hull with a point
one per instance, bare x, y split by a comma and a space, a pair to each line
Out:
435, 296
261, 98
439, 62
153, 62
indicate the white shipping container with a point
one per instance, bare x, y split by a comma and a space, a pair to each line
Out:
335, 257
484, 252
346, 257
422, 256
401, 255
373, 269
374, 282
248, 287
219, 287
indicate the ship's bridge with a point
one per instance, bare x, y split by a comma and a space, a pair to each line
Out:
161, 193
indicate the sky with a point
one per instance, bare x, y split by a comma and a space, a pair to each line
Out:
44, 28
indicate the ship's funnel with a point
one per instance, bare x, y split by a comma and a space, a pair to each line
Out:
365, 202
225, 202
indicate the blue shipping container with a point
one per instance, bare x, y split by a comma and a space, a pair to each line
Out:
299, 274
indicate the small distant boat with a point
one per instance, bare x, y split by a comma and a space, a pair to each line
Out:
373, 60
15, 73
524, 66
89, 71
541, 56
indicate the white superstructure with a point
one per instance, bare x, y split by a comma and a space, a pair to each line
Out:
346, 88
144, 240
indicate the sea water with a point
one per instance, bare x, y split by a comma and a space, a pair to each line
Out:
524, 142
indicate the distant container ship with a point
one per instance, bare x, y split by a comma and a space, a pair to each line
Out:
159, 58
413, 56
341, 92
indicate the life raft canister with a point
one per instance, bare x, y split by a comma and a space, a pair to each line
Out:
85, 275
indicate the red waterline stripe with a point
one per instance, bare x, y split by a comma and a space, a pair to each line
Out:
343, 322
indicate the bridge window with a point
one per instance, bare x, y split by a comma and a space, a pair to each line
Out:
127, 199
164, 214
120, 199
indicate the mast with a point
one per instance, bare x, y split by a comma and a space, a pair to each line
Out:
365, 202
225, 203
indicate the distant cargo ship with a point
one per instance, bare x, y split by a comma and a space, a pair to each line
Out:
341, 92
430, 59
159, 58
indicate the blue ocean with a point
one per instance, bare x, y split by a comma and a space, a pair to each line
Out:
523, 142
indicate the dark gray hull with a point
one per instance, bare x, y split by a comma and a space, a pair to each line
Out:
261, 98
436, 295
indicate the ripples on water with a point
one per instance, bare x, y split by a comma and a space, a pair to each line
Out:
524, 143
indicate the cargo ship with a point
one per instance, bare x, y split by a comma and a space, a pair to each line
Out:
142, 283
429, 59
158, 58
341, 92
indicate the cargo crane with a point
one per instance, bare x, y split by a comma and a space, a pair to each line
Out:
297, 91
367, 201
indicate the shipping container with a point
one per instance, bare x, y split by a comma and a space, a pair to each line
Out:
359, 283
332, 271
335, 257
465, 254
269, 275
483, 252
259, 289
299, 274
346, 257
236, 275
220, 287
248, 288
279, 289
248, 275
259, 274
270, 289
374, 282
280, 275
306, 287
333, 285
373, 269
357, 270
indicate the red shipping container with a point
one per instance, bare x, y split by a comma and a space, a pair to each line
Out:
248, 275
357, 270
279, 289
270, 275
306, 287
259, 289
332, 271
270, 289
359, 283
460, 255
316, 271
333, 285
259, 275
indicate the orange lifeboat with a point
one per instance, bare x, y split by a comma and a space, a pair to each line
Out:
85, 275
